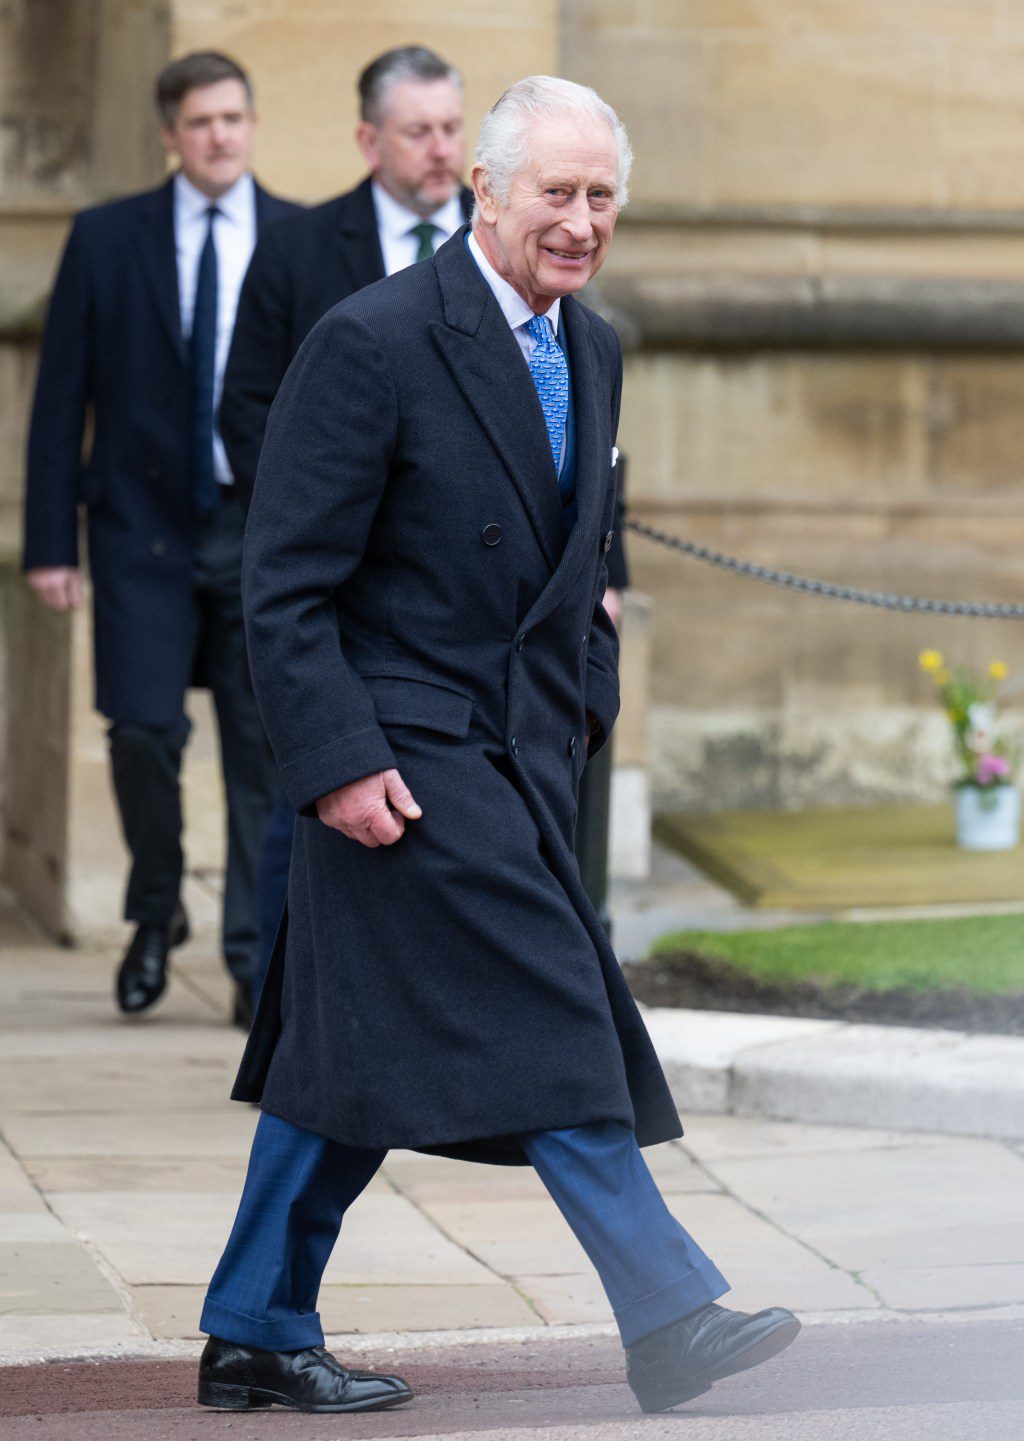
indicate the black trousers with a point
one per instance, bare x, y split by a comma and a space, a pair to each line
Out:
146, 760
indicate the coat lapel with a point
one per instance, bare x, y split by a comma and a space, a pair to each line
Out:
487, 365
154, 235
269, 207
358, 240
593, 442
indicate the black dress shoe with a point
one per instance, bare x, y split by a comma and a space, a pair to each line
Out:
683, 1360
142, 975
242, 1013
241, 1378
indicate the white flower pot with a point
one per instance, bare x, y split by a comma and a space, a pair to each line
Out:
987, 819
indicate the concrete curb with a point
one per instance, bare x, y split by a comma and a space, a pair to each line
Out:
829, 1072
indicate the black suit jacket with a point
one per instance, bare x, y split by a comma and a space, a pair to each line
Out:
412, 599
113, 355
299, 269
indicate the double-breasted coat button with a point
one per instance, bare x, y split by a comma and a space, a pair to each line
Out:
608, 541
572, 745
158, 546
491, 534
513, 746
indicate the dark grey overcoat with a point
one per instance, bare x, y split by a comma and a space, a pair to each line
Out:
412, 601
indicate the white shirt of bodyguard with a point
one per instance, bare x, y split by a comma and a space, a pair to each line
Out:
234, 236
514, 308
395, 222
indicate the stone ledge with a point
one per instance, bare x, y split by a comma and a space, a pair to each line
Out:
830, 1073
880, 219
716, 312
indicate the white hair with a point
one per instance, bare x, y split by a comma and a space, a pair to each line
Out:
503, 146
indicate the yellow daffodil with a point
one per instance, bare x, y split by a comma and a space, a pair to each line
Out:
999, 670
930, 660
942, 676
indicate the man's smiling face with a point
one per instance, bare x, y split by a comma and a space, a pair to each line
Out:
553, 233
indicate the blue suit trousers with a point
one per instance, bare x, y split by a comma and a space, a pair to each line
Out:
299, 1186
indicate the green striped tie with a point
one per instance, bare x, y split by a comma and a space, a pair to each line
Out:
424, 233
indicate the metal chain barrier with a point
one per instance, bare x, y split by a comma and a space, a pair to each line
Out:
823, 588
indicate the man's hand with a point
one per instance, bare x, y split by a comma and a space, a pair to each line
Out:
613, 605
372, 811
58, 586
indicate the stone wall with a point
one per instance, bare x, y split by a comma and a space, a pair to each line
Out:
818, 282
819, 285
305, 56
811, 102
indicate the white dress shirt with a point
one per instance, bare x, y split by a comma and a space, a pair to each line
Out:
395, 222
234, 236
514, 308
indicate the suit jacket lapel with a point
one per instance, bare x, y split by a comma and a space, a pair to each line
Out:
591, 475
358, 241
268, 207
154, 236
487, 365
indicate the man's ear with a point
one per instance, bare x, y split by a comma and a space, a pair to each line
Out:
168, 139
366, 139
485, 200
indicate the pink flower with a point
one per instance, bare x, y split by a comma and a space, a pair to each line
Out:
992, 768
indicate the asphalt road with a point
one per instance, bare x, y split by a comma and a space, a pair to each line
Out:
901, 1382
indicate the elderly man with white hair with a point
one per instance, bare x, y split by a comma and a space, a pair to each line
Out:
423, 579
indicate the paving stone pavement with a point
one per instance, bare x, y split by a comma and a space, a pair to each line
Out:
121, 1162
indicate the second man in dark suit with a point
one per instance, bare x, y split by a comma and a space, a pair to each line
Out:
134, 349
411, 135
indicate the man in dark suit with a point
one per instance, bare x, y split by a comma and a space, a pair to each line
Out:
135, 344
423, 580
411, 135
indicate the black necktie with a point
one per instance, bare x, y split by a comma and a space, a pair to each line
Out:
202, 357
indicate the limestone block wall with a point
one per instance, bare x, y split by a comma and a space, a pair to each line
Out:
305, 55
811, 102
819, 284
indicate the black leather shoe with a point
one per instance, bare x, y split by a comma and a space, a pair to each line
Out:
142, 975
683, 1360
241, 1378
242, 1012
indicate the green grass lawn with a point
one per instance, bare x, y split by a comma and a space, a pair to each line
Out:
981, 953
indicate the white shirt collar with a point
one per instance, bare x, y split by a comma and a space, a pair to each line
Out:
396, 220
513, 306
235, 204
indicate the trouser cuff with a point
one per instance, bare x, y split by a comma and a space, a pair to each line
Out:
292, 1333
670, 1303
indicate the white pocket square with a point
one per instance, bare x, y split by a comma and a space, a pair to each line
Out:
615, 456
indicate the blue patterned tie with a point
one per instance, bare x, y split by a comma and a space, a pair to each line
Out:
202, 357
551, 377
